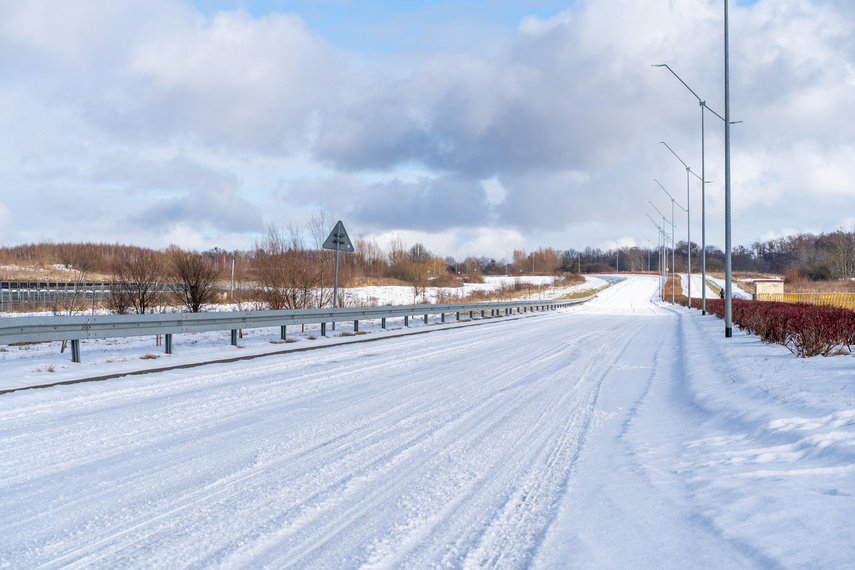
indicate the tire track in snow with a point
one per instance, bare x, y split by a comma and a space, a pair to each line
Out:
446, 452
154, 445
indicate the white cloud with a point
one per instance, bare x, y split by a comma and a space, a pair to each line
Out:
166, 119
5, 218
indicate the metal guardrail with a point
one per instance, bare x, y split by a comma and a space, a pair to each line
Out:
82, 327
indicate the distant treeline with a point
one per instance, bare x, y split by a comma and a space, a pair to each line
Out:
281, 254
818, 257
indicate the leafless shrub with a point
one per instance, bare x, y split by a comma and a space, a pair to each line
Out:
194, 279
282, 271
137, 274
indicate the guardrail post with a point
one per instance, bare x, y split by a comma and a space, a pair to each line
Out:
482, 313
356, 326
75, 351
167, 341
406, 321
282, 331
234, 337
470, 315
323, 329
442, 315
426, 318
383, 323
458, 315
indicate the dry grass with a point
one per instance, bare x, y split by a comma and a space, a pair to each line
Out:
792, 284
741, 275
515, 289
446, 280
673, 289
584, 293
377, 282
48, 273
807, 286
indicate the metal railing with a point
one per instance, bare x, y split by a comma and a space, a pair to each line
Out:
843, 300
46, 293
82, 327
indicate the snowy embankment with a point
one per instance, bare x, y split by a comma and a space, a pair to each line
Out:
697, 281
410, 295
620, 433
43, 363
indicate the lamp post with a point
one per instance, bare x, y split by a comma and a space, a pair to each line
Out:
648, 251
703, 105
661, 252
664, 253
673, 239
688, 218
617, 255
728, 323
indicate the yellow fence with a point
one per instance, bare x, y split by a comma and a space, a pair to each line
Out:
845, 300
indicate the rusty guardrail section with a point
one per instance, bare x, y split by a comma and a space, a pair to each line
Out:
81, 327
843, 300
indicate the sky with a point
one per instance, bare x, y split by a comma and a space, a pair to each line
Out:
474, 127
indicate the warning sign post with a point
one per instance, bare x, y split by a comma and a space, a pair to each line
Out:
339, 241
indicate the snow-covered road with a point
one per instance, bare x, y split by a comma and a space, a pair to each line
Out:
622, 433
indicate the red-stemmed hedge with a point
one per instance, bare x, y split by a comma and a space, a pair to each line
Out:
806, 330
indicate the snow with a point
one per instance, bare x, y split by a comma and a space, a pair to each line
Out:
43, 363
408, 296
620, 433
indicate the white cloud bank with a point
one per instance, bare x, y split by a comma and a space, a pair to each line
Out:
145, 122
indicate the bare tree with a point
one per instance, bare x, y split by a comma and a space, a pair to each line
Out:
74, 302
418, 254
137, 274
282, 270
369, 256
320, 225
119, 299
194, 278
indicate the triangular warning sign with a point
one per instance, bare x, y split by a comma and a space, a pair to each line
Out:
338, 239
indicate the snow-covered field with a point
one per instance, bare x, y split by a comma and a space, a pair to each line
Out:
620, 433
44, 363
409, 296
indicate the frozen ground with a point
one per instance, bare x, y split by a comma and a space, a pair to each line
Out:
621, 433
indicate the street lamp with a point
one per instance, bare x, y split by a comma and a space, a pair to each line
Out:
617, 255
648, 251
664, 253
728, 323
673, 239
688, 220
703, 104
661, 251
